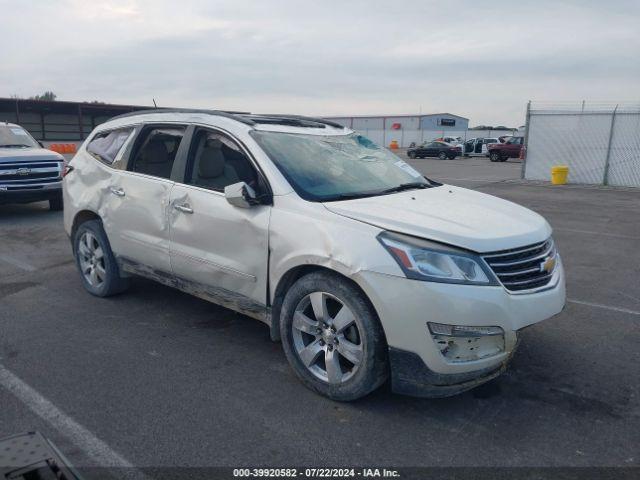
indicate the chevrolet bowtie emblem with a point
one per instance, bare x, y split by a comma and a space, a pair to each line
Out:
548, 265
23, 171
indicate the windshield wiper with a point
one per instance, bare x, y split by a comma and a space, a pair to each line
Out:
406, 186
349, 196
9, 145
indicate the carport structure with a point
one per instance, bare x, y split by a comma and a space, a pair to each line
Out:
58, 120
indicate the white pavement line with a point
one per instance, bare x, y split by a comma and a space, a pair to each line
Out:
605, 307
82, 438
17, 263
591, 232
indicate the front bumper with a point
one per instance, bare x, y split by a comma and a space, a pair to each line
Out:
28, 195
410, 376
405, 306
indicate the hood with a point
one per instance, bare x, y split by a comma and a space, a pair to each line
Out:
28, 155
452, 215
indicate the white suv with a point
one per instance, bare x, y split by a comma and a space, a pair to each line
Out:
362, 267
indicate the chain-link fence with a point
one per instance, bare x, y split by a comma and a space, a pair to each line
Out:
599, 142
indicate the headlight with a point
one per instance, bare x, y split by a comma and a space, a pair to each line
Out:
433, 262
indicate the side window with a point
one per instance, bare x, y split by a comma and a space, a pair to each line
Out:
216, 161
106, 145
157, 151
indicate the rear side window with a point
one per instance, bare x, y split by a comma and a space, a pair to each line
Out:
106, 145
157, 151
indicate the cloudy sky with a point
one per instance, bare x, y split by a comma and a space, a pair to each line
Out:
482, 60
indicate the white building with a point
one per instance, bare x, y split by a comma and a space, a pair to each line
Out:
383, 129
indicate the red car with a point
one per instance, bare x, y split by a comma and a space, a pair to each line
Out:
500, 152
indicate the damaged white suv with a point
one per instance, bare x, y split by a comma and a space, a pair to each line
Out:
363, 268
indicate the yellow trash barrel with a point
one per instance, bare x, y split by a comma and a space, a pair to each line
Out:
559, 174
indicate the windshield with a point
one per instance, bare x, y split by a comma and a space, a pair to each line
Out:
513, 140
15, 137
336, 167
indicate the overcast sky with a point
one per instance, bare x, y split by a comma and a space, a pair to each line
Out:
482, 60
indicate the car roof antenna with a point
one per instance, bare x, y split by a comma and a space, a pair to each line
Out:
154, 103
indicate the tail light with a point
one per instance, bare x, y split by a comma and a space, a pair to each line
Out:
523, 153
66, 170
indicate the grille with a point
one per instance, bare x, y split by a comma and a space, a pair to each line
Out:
523, 268
23, 174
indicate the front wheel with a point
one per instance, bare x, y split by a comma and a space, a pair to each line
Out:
332, 337
495, 157
411, 154
55, 203
442, 156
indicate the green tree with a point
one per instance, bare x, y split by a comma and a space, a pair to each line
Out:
46, 97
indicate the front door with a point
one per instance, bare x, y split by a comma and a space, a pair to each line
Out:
221, 249
135, 216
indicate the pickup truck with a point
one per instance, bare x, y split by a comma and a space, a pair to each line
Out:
28, 172
500, 152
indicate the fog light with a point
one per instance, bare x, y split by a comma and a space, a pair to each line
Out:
463, 330
462, 343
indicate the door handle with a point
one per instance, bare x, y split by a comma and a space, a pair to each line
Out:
184, 208
117, 191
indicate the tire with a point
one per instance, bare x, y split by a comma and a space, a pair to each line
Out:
495, 157
95, 261
365, 366
55, 203
451, 157
411, 154
442, 156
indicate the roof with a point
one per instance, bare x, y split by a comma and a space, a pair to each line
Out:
271, 122
402, 115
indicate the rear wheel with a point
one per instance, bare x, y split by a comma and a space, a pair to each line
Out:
55, 203
442, 155
96, 262
332, 338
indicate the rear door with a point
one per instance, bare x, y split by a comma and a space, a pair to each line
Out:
135, 215
214, 244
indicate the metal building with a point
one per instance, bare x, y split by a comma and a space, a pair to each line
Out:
51, 121
383, 129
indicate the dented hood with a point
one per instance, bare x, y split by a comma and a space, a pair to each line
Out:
28, 155
451, 215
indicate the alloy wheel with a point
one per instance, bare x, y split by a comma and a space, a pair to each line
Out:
92, 260
327, 338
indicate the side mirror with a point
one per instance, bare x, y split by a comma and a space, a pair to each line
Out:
240, 195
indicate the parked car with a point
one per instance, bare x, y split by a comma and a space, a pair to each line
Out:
442, 150
500, 152
451, 140
28, 172
362, 267
477, 146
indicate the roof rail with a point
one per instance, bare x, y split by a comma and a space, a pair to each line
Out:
243, 117
308, 119
238, 116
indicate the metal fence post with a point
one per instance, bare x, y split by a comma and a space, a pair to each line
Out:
526, 138
605, 178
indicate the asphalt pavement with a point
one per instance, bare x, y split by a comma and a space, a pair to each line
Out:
155, 377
